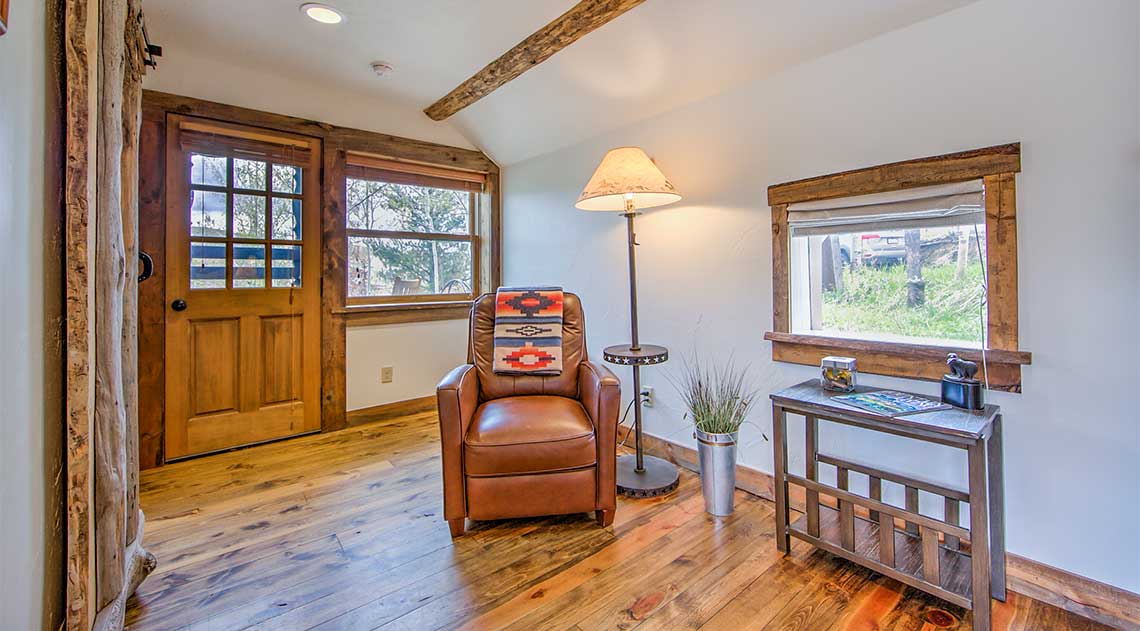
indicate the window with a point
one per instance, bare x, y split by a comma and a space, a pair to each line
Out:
411, 234
905, 266
245, 222
900, 264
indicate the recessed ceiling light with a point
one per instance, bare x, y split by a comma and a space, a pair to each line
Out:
322, 13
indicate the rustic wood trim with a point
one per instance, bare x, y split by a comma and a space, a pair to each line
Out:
357, 303
152, 292
1083, 596
1001, 260
781, 309
951, 167
388, 411
579, 21
889, 360
55, 557
373, 315
375, 163
375, 143
334, 289
917, 351
997, 166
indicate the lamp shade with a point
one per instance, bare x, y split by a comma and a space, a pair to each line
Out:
626, 172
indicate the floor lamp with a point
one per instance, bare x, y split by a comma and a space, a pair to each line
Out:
627, 180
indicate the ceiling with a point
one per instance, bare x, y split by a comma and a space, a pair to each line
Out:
659, 56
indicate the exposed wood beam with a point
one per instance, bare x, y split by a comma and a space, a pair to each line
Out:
571, 26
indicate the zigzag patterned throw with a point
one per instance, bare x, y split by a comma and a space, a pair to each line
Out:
528, 331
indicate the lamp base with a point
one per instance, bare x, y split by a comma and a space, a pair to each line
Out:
660, 477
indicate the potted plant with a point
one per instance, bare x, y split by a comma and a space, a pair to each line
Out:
718, 399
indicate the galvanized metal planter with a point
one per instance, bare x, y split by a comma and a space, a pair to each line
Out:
717, 454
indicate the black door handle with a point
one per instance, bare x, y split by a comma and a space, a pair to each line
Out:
147, 264
178, 305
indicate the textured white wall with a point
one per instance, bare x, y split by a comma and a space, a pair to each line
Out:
1060, 77
189, 73
24, 487
420, 354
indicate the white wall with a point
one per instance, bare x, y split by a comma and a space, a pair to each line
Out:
190, 73
419, 353
27, 594
422, 353
1061, 78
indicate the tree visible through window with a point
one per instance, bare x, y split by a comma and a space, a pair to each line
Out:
406, 239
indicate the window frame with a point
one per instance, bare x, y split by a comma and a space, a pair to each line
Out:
996, 167
482, 235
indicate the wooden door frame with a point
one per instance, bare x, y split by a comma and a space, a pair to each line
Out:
336, 142
178, 439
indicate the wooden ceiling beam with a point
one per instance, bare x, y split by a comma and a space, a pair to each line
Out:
571, 26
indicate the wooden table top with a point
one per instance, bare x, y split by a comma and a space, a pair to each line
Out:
956, 422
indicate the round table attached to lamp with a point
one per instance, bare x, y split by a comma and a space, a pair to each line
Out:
625, 181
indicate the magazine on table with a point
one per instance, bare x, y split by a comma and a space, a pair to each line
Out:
891, 403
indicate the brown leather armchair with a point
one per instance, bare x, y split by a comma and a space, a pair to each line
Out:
524, 446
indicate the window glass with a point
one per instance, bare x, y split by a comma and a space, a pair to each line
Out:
249, 265
385, 260
286, 218
917, 284
286, 266
207, 214
207, 265
249, 174
407, 208
395, 267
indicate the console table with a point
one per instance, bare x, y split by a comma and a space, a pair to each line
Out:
964, 566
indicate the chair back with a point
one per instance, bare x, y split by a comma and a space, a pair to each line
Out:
481, 346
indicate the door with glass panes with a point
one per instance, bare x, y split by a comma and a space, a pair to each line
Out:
242, 286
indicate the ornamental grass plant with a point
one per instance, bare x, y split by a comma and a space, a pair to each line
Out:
717, 397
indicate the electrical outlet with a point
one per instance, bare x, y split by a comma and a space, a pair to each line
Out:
647, 398
386, 374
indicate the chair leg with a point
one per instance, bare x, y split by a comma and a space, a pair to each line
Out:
604, 517
456, 526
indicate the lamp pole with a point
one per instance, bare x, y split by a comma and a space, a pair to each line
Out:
630, 213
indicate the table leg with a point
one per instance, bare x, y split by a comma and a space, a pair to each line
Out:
997, 510
811, 466
780, 447
979, 535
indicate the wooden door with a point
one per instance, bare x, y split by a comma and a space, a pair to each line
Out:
242, 286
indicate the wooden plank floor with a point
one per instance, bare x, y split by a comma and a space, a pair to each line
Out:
344, 531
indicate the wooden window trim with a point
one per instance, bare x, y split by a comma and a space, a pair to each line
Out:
997, 167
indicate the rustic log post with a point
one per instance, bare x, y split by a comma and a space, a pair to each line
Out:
106, 560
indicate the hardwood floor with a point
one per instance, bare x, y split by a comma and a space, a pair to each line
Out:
344, 531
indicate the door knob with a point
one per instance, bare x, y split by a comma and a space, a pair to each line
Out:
178, 305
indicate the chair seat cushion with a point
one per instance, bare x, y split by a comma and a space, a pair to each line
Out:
529, 434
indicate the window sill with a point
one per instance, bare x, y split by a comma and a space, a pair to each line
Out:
399, 313
897, 359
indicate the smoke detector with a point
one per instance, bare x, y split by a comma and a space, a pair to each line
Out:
381, 68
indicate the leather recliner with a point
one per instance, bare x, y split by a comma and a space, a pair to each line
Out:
526, 446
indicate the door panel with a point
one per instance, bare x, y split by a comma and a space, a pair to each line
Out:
214, 352
242, 238
281, 338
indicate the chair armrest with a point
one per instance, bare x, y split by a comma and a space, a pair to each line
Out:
599, 391
457, 397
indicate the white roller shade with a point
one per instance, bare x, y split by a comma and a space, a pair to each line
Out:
955, 204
